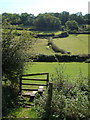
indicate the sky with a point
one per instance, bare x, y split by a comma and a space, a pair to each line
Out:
41, 6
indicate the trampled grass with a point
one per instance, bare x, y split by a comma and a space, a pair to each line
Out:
23, 113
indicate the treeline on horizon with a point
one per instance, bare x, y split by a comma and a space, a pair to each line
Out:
48, 21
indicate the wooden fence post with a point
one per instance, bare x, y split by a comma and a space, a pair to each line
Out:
47, 79
49, 100
20, 84
89, 92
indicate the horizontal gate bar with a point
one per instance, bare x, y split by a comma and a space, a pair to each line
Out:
36, 74
34, 84
30, 89
34, 79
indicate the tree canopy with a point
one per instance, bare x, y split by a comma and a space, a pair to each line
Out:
46, 21
14, 54
72, 25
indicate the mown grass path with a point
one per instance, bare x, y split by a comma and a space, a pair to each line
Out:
23, 113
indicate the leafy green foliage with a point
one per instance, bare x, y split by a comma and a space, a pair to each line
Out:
69, 101
72, 25
9, 98
14, 54
14, 19
64, 34
27, 19
64, 16
78, 17
47, 22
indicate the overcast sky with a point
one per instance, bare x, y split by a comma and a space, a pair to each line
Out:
41, 6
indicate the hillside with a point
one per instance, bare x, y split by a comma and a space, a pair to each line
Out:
76, 44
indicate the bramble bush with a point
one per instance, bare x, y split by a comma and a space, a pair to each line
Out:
69, 100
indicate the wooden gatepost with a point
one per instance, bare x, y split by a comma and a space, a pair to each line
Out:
48, 111
33, 85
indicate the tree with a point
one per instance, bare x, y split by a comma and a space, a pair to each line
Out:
27, 19
14, 19
87, 19
47, 22
64, 17
14, 54
71, 25
78, 17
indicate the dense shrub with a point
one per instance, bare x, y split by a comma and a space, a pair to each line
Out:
14, 54
13, 57
57, 49
87, 61
69, 100
79, 32
45, 58
62, 58
72, 25
44, 35
64, 34
9, 99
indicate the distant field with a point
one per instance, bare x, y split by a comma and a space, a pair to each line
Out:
76, 44
72, 70
41, 47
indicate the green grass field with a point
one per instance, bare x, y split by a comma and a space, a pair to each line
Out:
76, 44
71, 70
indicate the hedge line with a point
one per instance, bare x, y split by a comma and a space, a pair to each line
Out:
62, 35
62, 58
79, 32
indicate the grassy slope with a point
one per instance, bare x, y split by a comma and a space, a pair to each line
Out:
41, 47
75, 44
